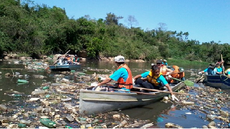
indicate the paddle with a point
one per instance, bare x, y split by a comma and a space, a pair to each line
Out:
222, 64
186, 82
141, 88
94, 84
64, 55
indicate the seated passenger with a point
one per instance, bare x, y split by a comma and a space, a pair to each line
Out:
164, 70
122, 75
178, 73
227, 72
153, 79
164, 62
218, 70
209, 70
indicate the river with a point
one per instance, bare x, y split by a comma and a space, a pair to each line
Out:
159, 113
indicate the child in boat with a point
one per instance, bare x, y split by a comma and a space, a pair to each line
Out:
153, 79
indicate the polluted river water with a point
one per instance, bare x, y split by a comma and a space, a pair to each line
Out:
25, 106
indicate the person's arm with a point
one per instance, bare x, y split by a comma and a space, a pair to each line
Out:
169, 71
137, 76
228, 75
165, 83
169, 88
107, 80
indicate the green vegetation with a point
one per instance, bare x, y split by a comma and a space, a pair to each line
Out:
41, 30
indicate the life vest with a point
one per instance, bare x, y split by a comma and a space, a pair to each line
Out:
153, 79
176, 73
129, 81
163, 69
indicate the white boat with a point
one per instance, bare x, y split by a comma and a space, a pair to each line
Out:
93, 102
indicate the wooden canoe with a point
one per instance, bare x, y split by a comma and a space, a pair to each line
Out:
93, 102
217, 81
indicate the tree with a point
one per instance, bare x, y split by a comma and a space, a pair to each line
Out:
112, 19
132, 21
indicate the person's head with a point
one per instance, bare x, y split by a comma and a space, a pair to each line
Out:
119, 59
165, 60
158, 62
217, 64
212, 65
155, 70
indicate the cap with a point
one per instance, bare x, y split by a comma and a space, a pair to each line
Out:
212, 64
159, 62
119, 58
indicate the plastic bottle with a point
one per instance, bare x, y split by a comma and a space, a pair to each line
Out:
21, 125
48, 122
45, 87
68, 127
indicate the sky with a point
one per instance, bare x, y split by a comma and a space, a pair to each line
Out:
204, 20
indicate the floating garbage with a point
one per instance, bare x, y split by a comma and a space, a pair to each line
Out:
22, 81
48, 123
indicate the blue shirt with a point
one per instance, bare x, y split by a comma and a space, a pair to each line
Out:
120, 73
228, 72
165, 63
160, 79
210, 71
219, 69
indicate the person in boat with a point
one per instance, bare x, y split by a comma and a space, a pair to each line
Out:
218, 70
76, 59
227, 72
178, 72
153, 79
210, 70
122, 75
164, 62
60, 60
164, 70
69, 59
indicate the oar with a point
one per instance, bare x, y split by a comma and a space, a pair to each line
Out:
64, 55
186, 82
141, 88
222, 65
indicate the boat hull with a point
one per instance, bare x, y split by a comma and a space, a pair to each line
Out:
64, 67
217, 81
93, 102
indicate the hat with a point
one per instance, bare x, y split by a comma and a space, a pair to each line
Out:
165, 60
158, 62
119, 58
212, 64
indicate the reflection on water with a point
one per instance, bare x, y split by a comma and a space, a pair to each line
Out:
149, 112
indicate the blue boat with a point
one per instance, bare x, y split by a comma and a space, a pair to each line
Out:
65, 67
217, 81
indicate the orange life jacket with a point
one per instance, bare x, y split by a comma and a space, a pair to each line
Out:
129, 81
176, 73
163, 69
153, 79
